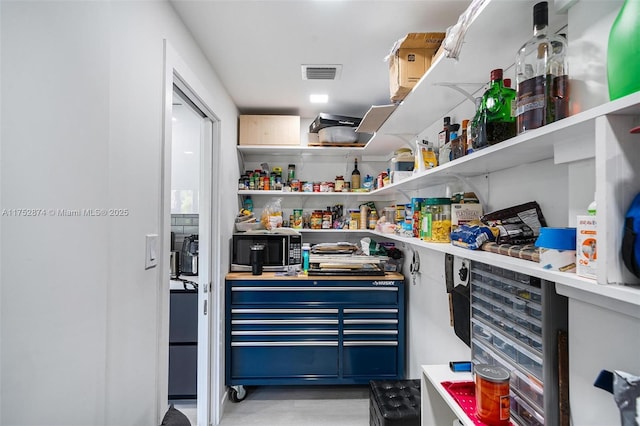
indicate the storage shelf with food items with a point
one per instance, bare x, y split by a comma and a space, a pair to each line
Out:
516, 238
550, 141
431, 97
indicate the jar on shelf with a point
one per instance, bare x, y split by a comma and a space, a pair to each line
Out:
436, 221
339, 183
327, 219
373, 219
354, 219
316, 219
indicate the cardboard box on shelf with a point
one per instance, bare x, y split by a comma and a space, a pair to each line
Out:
269, 130
586, 247
462, 213
409, 59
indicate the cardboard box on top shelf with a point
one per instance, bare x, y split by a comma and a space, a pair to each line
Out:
269, 130
409, 59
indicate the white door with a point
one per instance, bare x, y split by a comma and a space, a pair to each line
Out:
205, 272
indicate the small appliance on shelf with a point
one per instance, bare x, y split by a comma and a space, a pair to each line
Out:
189, 256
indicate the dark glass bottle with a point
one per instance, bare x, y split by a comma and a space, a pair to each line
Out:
443, 136
355, 176
500, 123
478, 133
541, 74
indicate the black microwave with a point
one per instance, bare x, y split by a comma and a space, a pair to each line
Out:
280, 251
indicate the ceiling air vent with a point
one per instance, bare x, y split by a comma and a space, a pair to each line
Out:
321, 72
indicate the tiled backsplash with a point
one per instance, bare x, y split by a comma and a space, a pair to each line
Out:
183, 225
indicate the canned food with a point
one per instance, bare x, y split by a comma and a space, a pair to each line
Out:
297, 219
492, 394
295, 185
307, 187
316, 186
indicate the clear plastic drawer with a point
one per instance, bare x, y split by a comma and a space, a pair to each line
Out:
529, 388
482, 332
525, 413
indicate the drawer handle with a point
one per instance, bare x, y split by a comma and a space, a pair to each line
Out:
371, 321
351, 332
282, 332
271, 343
367, 311
371, 343
277, 321
284, 311
270, 288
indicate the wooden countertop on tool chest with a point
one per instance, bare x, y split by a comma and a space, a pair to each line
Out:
273, 276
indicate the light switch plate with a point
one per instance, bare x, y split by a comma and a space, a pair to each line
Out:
151, 251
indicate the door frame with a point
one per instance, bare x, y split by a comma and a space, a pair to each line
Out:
176, 71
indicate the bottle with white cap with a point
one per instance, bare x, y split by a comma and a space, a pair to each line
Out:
591, 210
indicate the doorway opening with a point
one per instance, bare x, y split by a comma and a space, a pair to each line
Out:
188, 125
182, 86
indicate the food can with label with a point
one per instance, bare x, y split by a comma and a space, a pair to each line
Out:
297, 219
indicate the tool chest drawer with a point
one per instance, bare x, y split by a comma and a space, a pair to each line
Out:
313, 331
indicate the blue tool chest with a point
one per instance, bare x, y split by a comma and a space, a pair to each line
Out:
313, 330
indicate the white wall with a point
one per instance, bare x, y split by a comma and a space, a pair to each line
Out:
82, 128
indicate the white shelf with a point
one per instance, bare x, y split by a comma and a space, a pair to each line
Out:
302, 194
429, 101
300, 150
622, 299
333, 231
556, 140
433, 376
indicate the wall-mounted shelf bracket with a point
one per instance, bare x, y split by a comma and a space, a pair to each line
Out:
457, 87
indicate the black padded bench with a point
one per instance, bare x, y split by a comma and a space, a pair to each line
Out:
394, 403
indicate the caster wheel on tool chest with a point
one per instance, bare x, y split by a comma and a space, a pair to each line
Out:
237, 393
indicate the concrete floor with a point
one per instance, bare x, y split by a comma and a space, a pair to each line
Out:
296, 406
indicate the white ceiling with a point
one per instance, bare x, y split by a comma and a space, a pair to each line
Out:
257, 48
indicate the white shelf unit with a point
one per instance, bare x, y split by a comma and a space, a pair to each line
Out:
600, 134
438, 406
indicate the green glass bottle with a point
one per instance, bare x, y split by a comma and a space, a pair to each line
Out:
623, 54
497, 101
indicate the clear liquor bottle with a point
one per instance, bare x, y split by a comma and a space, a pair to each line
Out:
541, 75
